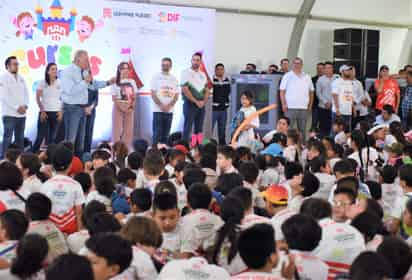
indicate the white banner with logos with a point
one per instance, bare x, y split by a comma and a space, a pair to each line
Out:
43, 31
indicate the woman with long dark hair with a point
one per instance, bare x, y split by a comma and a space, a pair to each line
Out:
225, 251
50, 107
124, 102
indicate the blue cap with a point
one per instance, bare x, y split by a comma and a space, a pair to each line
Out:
274, 150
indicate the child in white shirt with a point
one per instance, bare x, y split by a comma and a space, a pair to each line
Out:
247, 136
179, 184
65, 193
167, 216
199, 227
145, 237
261, 257
303, 234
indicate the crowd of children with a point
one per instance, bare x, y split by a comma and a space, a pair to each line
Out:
331, 208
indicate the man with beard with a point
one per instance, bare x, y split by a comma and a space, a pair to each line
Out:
15, 101
343, 96
164, 95
195, 95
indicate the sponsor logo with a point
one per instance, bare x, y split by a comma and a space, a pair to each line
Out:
192, 18
169, 17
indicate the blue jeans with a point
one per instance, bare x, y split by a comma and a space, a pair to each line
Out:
74, 126
194, 116
88, 138
47, 129
13, 125
220, 117
162, 122
346, 118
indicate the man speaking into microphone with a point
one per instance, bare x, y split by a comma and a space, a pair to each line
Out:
76, 79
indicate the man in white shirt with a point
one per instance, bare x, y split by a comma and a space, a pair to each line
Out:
296, 95
195, 96
164, 95
362, 99
14, 104
343, 96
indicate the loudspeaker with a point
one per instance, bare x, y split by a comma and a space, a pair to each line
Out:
358, 47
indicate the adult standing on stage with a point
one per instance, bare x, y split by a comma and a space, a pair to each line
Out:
196, 94
76, 80
14, 103
165, 93
50, 107
324, 94
296, 95
124, 103
221, 93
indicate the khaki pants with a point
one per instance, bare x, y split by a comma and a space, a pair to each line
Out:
122, 125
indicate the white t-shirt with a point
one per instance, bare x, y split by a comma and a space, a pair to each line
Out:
50, 98
181, 194
236, 266
199, 230
248, 135
8, 250
345, 91
172, 241
279, 219
372, 173
65, 194
193, 269
309, 266
340, 244
297, 89
326, 182
141, 267
76, 240
196, 81
32, 184
166, 88
390, 193
95, 195
126, 91
341, 138
13, 93
253, 219
255, 276
9, 200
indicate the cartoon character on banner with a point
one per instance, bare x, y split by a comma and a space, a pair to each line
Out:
86, 26
25, 25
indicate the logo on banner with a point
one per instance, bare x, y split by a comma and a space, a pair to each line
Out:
169, 17
55, 25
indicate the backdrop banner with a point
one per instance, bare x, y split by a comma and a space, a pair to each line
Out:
43, 31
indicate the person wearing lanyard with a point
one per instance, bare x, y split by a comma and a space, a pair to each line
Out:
76, 80
15, 101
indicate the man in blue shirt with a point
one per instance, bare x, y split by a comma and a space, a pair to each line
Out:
76, 80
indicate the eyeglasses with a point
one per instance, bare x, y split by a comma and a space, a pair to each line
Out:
340, 203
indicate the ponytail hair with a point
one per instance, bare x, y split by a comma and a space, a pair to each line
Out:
32, 162
361, 141
31, 252
232, 213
